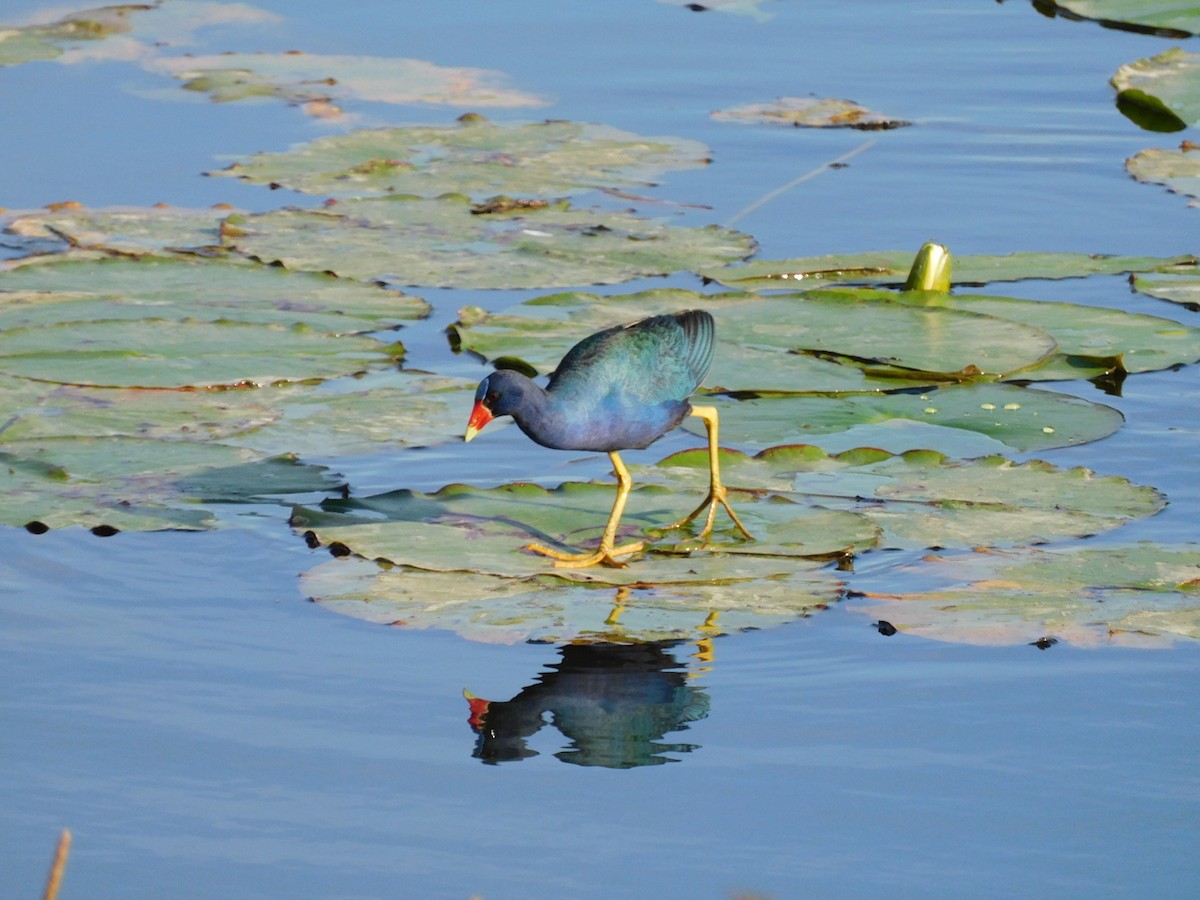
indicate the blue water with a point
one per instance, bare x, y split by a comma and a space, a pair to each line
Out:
206, 732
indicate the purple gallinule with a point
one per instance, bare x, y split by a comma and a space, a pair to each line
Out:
620, 389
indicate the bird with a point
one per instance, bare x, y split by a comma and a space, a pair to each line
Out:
619, 389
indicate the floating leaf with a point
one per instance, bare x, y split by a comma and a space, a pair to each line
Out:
475, 157
40, 42
1024, 419
767, 344
924, 499
809, 112
134, 230
892, 267
1181, 290
60, 288
161, 353
1140, 595
1161, 93
1179, 170
1175, 19
500, 610
318, 81
406, 240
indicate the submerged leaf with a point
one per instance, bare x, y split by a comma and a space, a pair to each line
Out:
809, 112
475, 157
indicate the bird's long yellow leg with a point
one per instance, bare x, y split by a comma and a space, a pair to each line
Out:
716, 491
606, 553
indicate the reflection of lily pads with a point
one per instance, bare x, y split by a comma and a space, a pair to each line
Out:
1179, 169
766, 344
1178, 18
1161, 93
1140, 595
809, 112
319, 81
125, 229
159, 353
499, 610
439, 242
923, 499
475, 157
60, 289
1024, 419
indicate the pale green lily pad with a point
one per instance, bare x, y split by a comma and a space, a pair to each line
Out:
1024, 419
924, 499
134, 230
1141, 595
1161, 93
1091, 340
1177, 18
505, 611
1178, 170
891, 267
59, 289
475, 157
465, 529
161, 353
41, 42
139, 484
319, 82
1181, 290
809, 112
767, 344
441, 243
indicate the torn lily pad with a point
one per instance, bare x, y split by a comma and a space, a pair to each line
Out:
1178, 170
413, 241
809, 112
504, 611
892, 268
319, 82
476, 157
1142, 595
1161, 93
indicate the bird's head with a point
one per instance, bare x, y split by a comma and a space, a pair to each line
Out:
497, 395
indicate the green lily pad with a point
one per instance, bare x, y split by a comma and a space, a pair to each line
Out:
133, 230
162, 353
475, 157
319, 82
768, 344
42, 42
924, 499
501, 610
1137, 595
809, 112
1024, 419
1179, 170
1088, 338
892, 267
1182, 290
407, 240
1161, 93
465, 529
1175, 19
60, 288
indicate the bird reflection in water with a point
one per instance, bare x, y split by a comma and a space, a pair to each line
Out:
613, 702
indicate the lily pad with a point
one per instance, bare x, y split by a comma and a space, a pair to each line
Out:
809, 112
133, 230
787, 344
1137, 595
500, 610
319, 82
163, 353
1174, 19
42, 42
475, 157
1021, 418
892, 267
924, 499
1179, 169
1182, 290
406, 240
1161, 93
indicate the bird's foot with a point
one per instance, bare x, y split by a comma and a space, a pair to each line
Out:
603, 556
717, 496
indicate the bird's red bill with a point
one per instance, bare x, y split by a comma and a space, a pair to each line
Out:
480, 416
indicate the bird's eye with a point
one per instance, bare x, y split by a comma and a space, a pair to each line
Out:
492, 397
